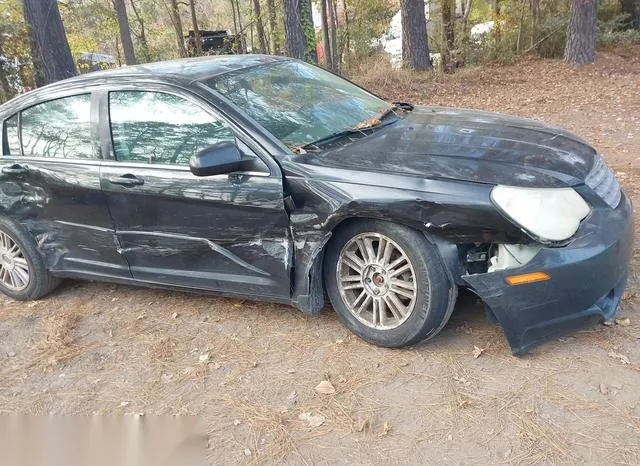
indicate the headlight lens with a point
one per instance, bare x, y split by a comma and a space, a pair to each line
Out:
550, 214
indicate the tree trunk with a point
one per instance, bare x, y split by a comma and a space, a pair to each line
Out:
275, 43
196, 29
294, 39
347, 32
631, 8
465, 19
448, 34
534, 22
497, 28
125, 32
142, 37
520, 27
581, 32
235, 20
241, 41
415, 46
326, 45
333, 35
51, 53
305, 11
174, 12
262, 39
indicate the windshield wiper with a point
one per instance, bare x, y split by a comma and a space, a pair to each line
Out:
361, 128
333, 136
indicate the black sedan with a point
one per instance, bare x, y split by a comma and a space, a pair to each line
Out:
268, 178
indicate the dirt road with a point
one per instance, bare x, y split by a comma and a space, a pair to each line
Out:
249, 369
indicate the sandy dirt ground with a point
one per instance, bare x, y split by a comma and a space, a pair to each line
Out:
249, 370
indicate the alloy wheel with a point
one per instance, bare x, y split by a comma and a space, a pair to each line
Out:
376, 280
14, 269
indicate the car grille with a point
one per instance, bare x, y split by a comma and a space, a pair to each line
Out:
602, 180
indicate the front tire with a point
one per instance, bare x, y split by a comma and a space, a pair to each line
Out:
387, 283
23, 275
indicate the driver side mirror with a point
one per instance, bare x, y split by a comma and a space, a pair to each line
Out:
218, 159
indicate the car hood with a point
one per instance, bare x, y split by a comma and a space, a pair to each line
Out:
466, 145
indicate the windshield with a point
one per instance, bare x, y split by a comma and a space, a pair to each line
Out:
298, 103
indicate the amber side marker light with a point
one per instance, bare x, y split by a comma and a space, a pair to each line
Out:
525, 278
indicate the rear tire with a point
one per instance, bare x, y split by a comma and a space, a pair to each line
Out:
387, 283
23, 274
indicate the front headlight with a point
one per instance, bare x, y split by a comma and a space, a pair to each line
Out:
550, 214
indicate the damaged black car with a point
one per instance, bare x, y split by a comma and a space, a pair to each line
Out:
272, 179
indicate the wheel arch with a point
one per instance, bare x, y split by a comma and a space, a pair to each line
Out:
309, 287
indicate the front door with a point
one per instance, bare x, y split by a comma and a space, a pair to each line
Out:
50, 183
228, 233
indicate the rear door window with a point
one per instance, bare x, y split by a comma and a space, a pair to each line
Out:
59, 128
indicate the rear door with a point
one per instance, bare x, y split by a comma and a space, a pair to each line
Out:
228, 233
50, 183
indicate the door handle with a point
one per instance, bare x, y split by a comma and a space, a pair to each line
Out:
15, 169
126, 180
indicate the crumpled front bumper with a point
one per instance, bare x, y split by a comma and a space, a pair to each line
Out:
588, 277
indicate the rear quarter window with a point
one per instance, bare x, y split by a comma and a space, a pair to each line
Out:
11, 136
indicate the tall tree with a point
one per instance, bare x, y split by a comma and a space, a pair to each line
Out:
326, 41
632, 9
174, 14
196, 29
262, 39
447, 33
241, 42
294, 39
581, 32
125, 32
415, 46
142, 35
333, 35
52, 58
273, 34
535, 11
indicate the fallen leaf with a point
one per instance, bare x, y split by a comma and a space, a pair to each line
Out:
204, 358
314, 420
236, 422
247, 452
604, 389
386, 428
174, 315
363, 425
477, 352
608, 323
623, 321
293, 395
621, 357
325, 388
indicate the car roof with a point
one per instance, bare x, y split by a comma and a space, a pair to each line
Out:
188, 69
184, 70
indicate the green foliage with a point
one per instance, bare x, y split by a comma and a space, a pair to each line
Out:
553, 37
15, 55
368, 20
614, 31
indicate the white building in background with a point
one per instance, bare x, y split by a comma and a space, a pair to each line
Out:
391, 41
